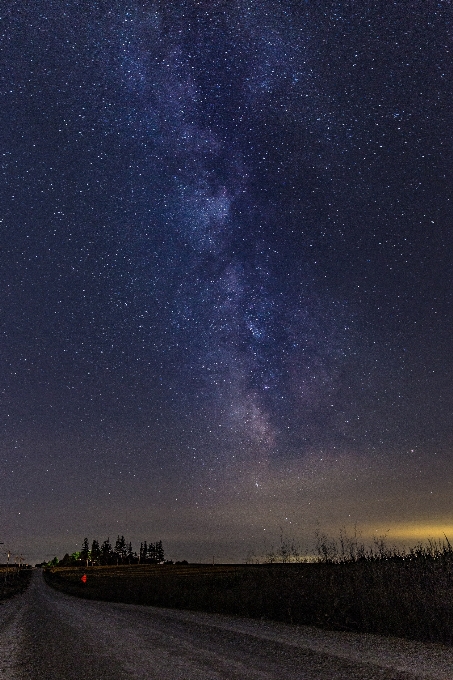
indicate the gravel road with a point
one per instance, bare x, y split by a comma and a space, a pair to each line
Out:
45, 634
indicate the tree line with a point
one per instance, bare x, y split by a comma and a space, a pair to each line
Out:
106, 553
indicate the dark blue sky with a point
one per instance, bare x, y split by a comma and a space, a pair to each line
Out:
226, 237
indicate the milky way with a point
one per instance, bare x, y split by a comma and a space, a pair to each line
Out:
256, 338
226, 255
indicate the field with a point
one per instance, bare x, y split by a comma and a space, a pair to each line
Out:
410, 598
13, 581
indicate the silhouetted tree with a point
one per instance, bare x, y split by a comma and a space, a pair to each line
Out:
151, 554
143, 552
95, 552
120, 550
155, 553
85, 552
66, 561
130, 554
106, 552
160, 555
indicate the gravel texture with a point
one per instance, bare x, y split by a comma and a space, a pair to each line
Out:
47, 634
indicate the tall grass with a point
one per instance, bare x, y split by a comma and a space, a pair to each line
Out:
375, 589
13, 580
350, 548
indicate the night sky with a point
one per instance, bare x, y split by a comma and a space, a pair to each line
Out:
226, 273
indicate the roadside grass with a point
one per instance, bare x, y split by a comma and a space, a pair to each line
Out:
13, 581
385, 592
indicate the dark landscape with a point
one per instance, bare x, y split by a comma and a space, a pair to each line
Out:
388, 592
13, 580
46, 634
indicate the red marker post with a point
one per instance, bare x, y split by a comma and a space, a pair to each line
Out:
84, 578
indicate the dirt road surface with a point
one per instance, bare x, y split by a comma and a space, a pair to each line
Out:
45, 634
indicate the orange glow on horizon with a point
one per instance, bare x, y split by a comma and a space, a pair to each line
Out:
413, 531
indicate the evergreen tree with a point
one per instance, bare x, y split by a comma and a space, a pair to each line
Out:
151, 553
66, 561
155, 553
85, 552
120, 550
130, 554
160, 555
95, 552
106, 552
143, 552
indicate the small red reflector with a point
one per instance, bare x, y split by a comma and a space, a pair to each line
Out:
84, 578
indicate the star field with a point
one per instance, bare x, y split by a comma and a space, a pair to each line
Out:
225, 272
